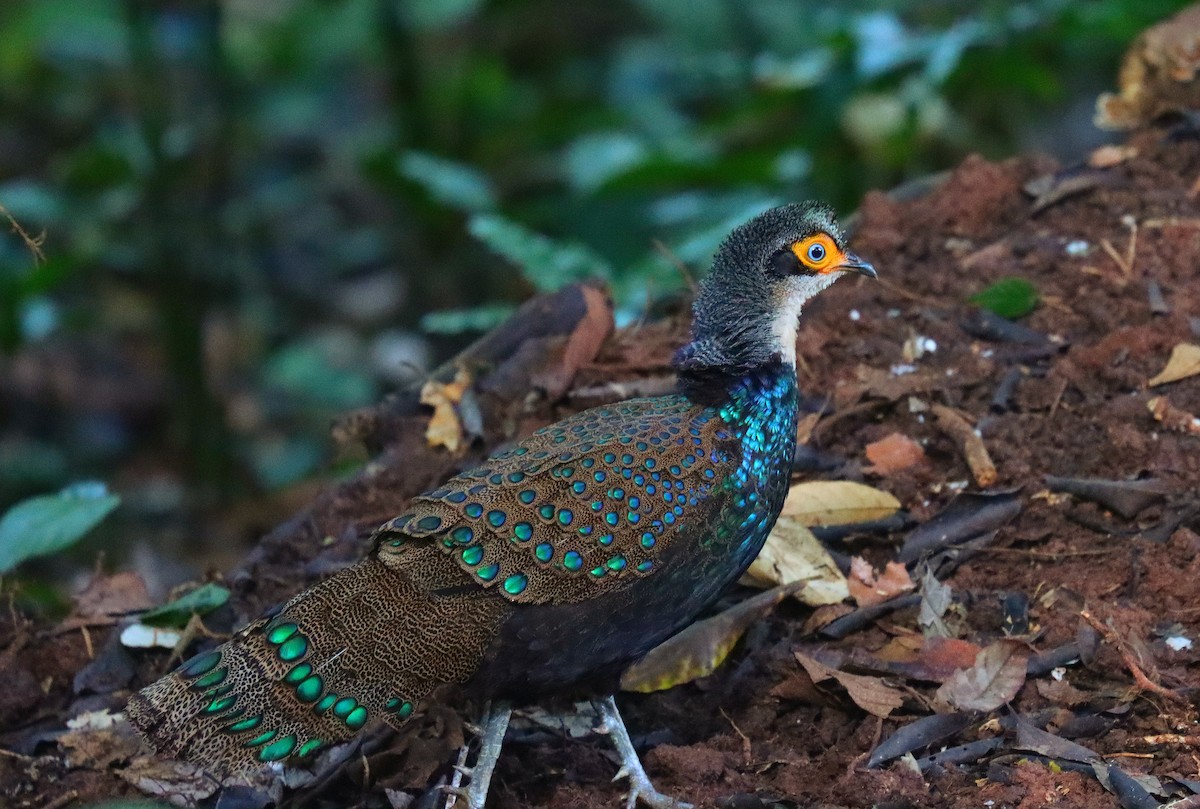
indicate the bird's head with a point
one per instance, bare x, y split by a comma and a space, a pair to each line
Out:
747, 308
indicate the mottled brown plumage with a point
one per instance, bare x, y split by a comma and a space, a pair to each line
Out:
555, 564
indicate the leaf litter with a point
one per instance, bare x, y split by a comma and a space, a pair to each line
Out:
1078, 409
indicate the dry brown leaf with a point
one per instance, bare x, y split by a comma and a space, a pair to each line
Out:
805, 427
838, 502
1110, 155
893, 453
115, 595
940, 658
995, 678
868, 693
792, 554
698, 650
1184, 362
445, 428
1173, 418
867, 588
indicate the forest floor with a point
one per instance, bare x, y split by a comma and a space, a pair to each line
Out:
1101, 587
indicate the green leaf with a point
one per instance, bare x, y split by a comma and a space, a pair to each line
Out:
175, 614
450, 183
546, 263
50, 523
1008, 297
457, 321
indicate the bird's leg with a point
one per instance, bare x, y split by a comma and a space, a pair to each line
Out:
640, 787
491, 738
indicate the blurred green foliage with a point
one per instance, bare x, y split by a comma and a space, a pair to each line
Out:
256, 203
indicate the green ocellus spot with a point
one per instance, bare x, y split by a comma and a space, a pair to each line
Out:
357, 718
249, 723
293, 648
473, 555
220, 704
309, 747
488, 573
297, 674
344, 706
200, 664
326, 701
281, 633
430, 523
262, 738
515, 584
280, 748
310, 689
214, 677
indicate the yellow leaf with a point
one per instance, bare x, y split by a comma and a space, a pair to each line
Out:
445, 429
793, 555
1184, 362
837, 502
698, 650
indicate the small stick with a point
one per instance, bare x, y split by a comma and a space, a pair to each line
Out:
960, 430
746, 751
1139, 676
1172, 738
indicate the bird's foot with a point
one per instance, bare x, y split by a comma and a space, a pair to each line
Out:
640, 788
491, 740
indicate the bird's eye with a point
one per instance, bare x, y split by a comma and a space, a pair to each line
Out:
816, 252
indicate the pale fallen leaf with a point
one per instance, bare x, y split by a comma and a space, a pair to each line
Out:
995, 679
868, 693
698, 650
1184, 362
893, 453
838, 502
140, 636
793, 555
106, 596
867, 587
1111, 155
935, 600
805, 427
445, 429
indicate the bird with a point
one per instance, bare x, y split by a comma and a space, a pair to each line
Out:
551, 567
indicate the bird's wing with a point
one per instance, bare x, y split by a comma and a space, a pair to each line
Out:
580, 506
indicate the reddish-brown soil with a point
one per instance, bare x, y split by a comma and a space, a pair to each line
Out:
1078, 410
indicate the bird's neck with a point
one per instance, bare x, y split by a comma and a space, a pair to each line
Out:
764, 395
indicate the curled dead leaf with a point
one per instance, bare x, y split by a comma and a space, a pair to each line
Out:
868, 693
445, 428
838, 502
867, 587
893, 453
994, 679
793, 555
1184, 362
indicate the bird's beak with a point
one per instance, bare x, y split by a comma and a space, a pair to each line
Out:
852, 263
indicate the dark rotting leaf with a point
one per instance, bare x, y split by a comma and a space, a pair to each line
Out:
961, 754
1035, 740
833, 533
854, 621
967, 516
1046, 662
1125, 497
1002, 398
987, 325
1130, 793
1015, 606
923, 732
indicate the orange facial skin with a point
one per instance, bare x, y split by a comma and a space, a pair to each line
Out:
831, 259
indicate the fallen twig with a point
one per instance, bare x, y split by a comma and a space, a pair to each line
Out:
957, 428
1139, 675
